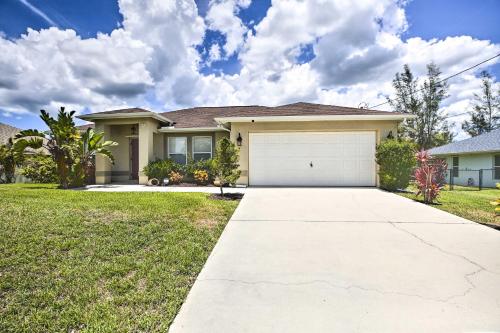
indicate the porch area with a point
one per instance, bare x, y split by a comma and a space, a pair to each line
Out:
138, 143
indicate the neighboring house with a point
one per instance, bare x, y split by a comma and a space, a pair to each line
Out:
299, 144
7, 132
84, 128
467, 157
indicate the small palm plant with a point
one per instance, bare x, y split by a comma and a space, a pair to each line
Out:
9, 159
90, 145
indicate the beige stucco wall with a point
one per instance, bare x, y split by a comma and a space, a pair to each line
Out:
102, 164
120, 169
382, 129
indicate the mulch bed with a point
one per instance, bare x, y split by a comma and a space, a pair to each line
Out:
227, 196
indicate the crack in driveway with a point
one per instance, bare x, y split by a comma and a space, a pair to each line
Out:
467, 277
333, 285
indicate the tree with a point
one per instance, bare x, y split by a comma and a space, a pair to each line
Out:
434, 91
485, 114
225, 163
9, 159
429, 128
407, 100
61, 141
73, 154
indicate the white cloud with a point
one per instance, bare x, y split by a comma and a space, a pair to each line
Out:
222, 16
52, 65
214, 53
357, 50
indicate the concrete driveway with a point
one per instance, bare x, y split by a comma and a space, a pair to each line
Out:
345, 260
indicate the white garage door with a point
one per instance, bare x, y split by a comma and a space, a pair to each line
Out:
312, 159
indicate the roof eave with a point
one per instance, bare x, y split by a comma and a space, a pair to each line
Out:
96, 116
398, 117
467, 152
192, 129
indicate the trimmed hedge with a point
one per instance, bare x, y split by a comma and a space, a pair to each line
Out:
396, 160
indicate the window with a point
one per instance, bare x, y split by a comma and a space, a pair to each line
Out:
177, 149
455, 166
496, 167
202, 148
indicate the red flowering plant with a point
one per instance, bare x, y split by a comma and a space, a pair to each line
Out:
430, 176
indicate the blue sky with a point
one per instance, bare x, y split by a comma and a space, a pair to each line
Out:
167, 87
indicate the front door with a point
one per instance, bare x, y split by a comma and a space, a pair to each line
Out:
134, 158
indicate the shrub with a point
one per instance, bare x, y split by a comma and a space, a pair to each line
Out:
396, 160
192, 166
496, 203
175, 177
225, 164
201, 177
40, 169
430, 176
160, 169
10, 158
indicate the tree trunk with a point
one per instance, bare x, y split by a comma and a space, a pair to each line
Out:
221, 191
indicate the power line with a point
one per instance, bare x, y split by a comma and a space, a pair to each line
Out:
447, 78
456, 115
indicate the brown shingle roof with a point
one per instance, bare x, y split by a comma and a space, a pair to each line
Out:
6, 132
204, 116
128, 110
83, 128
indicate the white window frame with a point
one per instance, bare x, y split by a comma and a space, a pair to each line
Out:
495, 166
453, 167
202, 152
186, 145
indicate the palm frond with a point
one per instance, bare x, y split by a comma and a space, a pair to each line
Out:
107, 153
30, 133
33, 142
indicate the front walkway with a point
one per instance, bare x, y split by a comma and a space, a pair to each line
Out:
145, 188
345, 260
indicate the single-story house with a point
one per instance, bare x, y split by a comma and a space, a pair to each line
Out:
299, 144
7, 132
473, 159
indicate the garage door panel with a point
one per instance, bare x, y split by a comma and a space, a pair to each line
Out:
338, 158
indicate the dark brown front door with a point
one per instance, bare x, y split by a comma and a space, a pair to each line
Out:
134, 159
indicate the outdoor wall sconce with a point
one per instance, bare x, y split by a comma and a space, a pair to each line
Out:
239, 140
133, 130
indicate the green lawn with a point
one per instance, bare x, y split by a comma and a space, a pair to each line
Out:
469, 203
101, 262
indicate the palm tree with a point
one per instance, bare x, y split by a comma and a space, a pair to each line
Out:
60, 141
91, 144
9, 159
